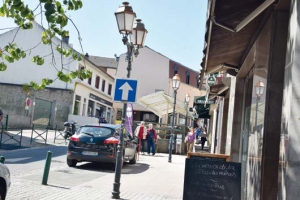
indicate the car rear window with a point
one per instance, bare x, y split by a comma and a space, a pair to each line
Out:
97, 131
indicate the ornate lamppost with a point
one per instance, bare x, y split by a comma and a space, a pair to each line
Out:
259, 91
175, 85
137, 32
187, 100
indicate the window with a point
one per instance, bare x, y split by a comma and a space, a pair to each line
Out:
187, 77
198, 80
76, 109
90, 80
80, 69
103, 85
175, 68
109, 89
97, 83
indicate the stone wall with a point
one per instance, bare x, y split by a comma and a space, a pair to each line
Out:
12, 103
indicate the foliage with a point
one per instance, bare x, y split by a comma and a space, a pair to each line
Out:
54, 12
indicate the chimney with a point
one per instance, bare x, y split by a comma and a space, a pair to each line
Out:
65, 39
87, 55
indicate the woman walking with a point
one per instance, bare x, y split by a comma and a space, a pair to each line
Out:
190, 139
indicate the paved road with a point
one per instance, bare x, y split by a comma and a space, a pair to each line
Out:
151, 178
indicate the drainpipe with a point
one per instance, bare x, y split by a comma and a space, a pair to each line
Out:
248, 19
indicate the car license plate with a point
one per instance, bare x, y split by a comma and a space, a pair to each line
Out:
89, 153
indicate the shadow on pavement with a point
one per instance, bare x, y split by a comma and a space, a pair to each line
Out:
110, 168
33, 154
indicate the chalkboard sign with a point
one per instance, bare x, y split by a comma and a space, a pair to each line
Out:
211, 180
209, 158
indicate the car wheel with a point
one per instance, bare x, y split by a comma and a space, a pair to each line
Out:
2, 194
71, 163
133, 161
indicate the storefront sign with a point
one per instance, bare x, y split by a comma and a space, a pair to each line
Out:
92, 96
202, 100
211, 80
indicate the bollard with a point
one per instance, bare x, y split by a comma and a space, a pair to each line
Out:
47, 168
6, 123
2, 159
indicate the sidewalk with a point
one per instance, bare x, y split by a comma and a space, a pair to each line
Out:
151, 178
10, 140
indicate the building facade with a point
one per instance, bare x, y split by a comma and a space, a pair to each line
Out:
154, 73
257, 43
80, 100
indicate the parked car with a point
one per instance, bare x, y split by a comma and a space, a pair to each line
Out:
4, 181
98, 143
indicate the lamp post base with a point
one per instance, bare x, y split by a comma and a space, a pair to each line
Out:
115, 195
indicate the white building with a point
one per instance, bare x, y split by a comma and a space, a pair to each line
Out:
86, 98
154, 73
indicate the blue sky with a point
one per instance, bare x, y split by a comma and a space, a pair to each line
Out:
176, 28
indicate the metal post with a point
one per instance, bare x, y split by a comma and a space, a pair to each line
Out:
47, 168
2, 159
119, 161
31, 133
21, 136
256, 110
186, 116
6, 123
172, 130
2, 132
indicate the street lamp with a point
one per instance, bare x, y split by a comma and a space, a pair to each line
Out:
175, 85
137, 32
187, 100
259, 91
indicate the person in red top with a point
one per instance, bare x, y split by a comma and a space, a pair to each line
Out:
151, 139
141, 133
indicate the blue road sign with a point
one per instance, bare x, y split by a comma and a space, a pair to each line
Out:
125, 90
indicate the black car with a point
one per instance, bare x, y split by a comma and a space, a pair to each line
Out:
98, 143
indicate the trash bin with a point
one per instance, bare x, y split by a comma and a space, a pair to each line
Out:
178, 143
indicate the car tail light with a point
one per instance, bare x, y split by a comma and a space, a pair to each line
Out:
74, 138
111, 140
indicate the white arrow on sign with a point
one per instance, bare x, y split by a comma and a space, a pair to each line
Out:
125, 91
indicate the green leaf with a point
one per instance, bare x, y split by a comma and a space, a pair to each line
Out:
1, 53
26, 88
74, 74
9, 59
3, 66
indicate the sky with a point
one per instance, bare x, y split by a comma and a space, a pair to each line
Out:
176, 28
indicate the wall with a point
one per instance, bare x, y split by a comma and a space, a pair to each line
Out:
12, 102
289, 171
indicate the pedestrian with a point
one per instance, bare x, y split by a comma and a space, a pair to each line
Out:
141, 133
203, 138
151, 139
198, 132
190, 139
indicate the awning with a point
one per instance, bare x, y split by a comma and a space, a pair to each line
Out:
217, 90
162, 104
202, 106
231, 30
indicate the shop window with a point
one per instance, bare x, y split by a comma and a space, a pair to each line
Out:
97, 83
119, 115
103, 85
109, 89
187, 77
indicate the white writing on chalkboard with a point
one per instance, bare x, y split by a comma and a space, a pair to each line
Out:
211, 166
209, 196
213, 185
215, 173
